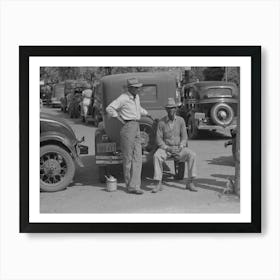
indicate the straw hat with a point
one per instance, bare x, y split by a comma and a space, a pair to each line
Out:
171, 103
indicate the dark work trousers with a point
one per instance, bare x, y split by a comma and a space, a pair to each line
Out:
132, 154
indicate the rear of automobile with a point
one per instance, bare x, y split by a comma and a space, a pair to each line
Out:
217, 106
58, 94
157, 87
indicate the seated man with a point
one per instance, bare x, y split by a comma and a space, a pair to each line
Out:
172, 141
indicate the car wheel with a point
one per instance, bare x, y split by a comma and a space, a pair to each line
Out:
222, 114
146, 135
70, 111
102, 172
179, 168
95, 117
192, 128
95, 121
57, 168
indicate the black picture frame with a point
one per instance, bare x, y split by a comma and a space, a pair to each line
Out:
254, 52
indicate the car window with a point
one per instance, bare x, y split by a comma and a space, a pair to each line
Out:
148, 94
216, 92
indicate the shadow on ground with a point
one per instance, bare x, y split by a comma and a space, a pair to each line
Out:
213, 135
88, 176
227, 161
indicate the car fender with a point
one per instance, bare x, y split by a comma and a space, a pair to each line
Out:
147, 120
49, 138
44, 137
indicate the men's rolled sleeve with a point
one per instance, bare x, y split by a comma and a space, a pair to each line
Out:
143, 111
113, 107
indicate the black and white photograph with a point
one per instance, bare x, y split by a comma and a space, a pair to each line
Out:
139, 139
158, 142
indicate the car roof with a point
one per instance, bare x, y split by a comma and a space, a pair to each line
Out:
211, 83
114, 85
139, 75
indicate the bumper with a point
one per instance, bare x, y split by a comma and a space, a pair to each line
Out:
113, 159
81, 150
202, 126
55, 103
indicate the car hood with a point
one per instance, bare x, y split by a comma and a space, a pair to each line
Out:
48, 117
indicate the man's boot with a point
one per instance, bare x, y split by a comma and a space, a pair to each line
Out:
157, 188
190, 186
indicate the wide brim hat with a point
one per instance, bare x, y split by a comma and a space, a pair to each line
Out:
133, 82
171, 103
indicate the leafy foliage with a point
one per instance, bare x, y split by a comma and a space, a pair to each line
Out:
213, 73
52, 75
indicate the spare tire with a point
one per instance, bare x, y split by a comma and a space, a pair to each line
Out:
222, 114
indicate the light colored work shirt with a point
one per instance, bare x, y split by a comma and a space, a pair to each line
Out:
171, 133
86, 94
127, 107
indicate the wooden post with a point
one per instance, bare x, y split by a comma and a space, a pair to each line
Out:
237, 162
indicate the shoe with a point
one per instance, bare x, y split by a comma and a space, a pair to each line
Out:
191, 187
133, 191
157, 188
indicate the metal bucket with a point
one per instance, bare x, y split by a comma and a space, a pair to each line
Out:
111, 184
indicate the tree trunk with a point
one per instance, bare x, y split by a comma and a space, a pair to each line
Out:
237, 153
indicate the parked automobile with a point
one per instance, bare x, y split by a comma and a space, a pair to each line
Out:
59, 152
209, 105
45, 94
74, 106
157, 88
71, 86
57, 94
94, 109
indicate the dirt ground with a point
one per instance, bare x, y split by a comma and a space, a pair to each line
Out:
87, 195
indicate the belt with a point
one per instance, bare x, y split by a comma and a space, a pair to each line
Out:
126, 121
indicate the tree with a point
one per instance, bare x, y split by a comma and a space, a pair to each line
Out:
232, 74
213, 73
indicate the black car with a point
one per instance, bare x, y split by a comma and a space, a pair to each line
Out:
209, 105
59, 153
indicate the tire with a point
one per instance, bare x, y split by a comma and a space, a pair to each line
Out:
102, 171
95, 117
192, 128
147, 136
179, 168
222, 114
95, 121
63, 168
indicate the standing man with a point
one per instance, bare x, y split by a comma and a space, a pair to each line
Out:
172, 141
86, 101
128, 110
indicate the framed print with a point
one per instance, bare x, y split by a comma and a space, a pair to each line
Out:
140, 139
